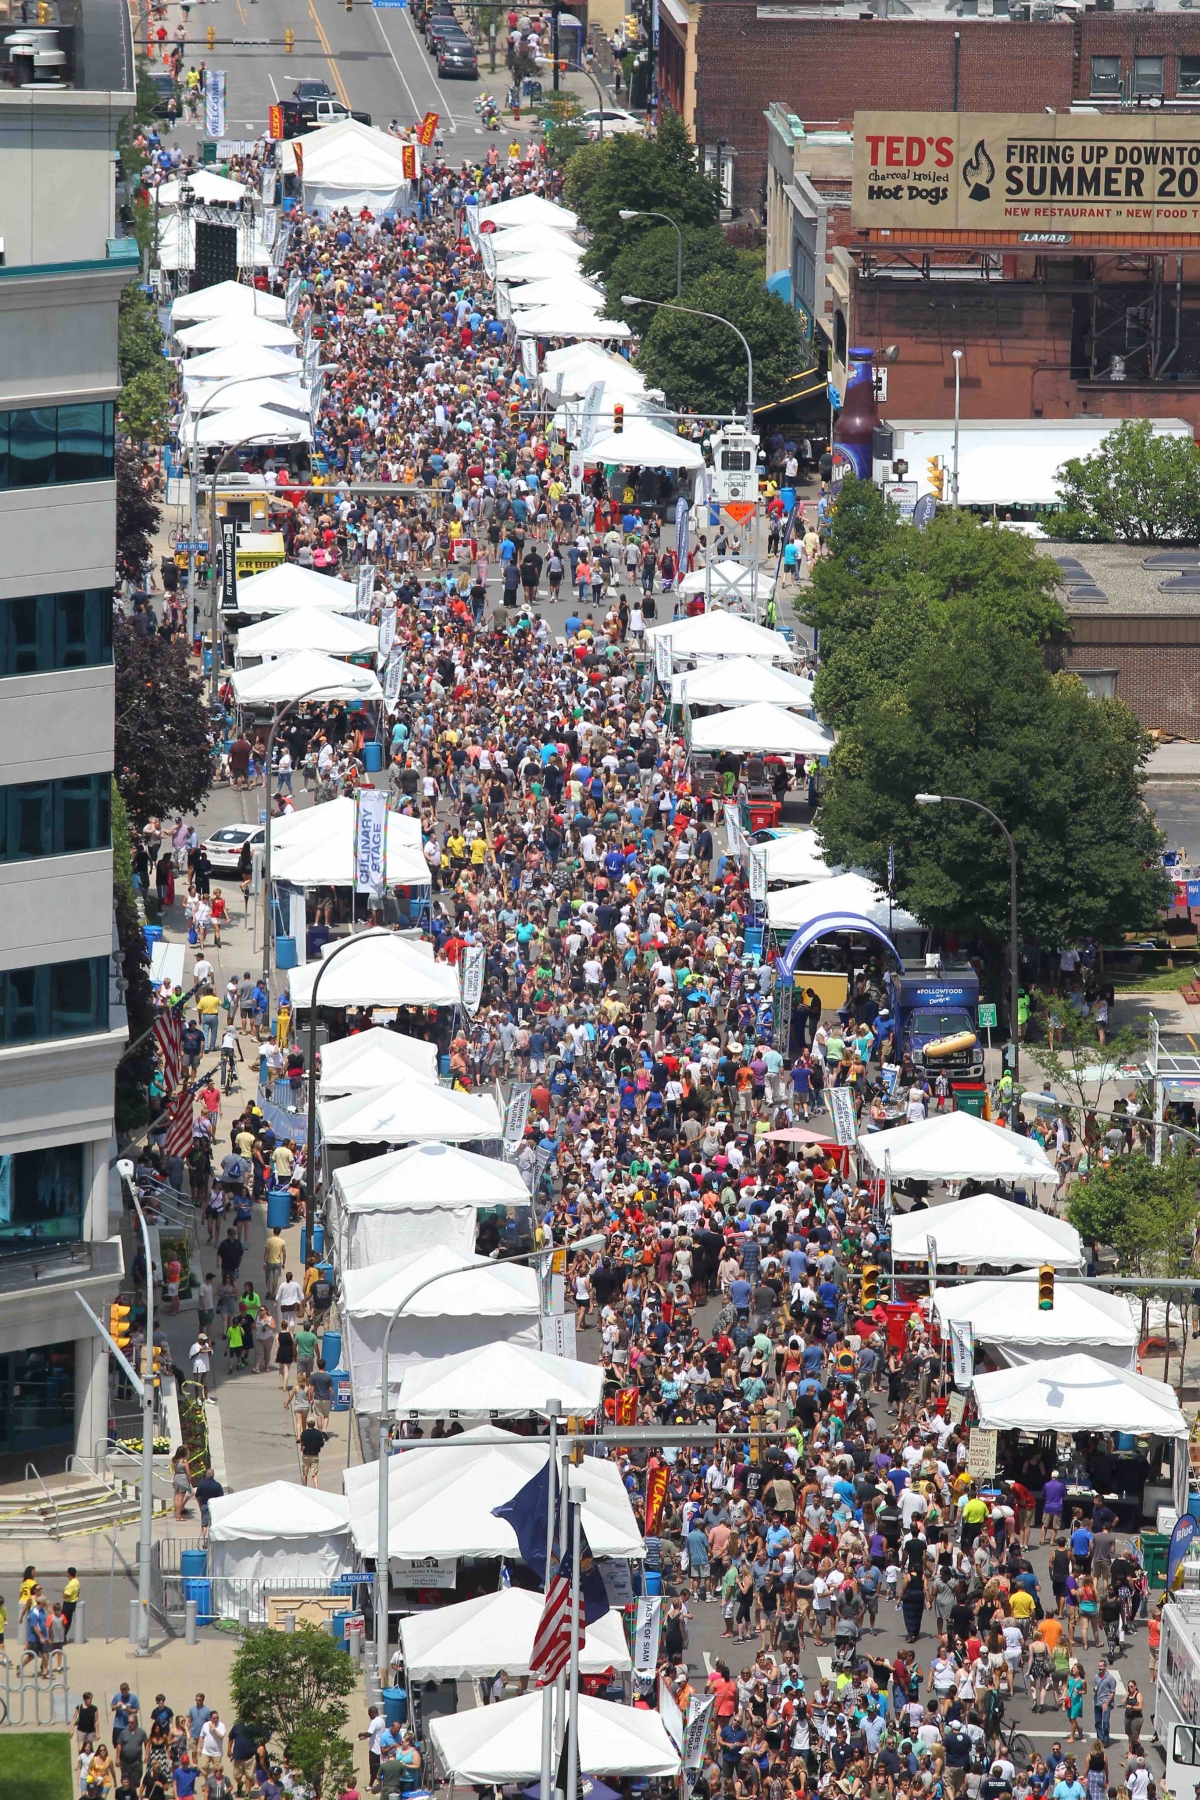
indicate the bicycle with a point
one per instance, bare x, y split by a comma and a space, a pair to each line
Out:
1017, 1746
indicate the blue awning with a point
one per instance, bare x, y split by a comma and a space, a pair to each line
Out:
824, 926
781, 284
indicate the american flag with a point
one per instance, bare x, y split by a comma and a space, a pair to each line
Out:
552, 1641
168, 1038
179, 1124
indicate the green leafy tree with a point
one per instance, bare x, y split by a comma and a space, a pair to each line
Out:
699, 363
144, 406
1136, 489
1147, 1215
1070, 1063
973, 710
290, 1685
137, 517
630, 171
648, 266
139, 334
163, 751
324, 1759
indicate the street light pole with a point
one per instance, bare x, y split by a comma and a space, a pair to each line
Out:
696, 313
145, 1533
384, 1432
958, 355
359, 686
633, 213
310, 1157
961, 800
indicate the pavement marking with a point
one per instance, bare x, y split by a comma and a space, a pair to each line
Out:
441, 97
274, 89
417, 111
338, 83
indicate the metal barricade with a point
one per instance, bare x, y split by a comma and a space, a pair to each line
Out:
29, 1698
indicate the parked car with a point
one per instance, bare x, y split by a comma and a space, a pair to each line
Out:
457, 57
615, 121
224, 847
165, 90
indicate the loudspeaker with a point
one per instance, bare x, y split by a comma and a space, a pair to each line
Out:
216, 255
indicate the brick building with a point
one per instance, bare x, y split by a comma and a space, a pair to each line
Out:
1141, 642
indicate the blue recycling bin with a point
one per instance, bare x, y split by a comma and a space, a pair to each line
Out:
318, 1239
285, 953
279, 1209
331, 1350
325, 1268
652, 1581
339, 1628
395, 1706
372, 755
152, 935
193, 1569
342, 1393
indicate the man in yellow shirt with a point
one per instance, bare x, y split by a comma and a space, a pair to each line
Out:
209, 1008
974, 1518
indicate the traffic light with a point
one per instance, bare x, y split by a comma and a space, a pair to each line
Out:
289, 40
618, 417
118, 1324
870, 1287
210, 37
755, 1445
936, 475
514, 414
1046, 1288
152, 1362
575, 1425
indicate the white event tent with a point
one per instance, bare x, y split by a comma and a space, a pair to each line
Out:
491, 1745
248, 425
522, 240
372, 1058
288, 587
641, 444
717, 634
408, 1111
501, 1381
312, 628
240, 327
379, 971
278, 393
526, 209
496, 1631
239, 362
554, 262
407, 1199
440, 1500
175, 242
278, 1533
582, 365
315, 848
477, 1302
210, 189
795, 858
568, 319
955, 1147
303, 673
224, 296
1006, 1317
556, 290
842, 899
761, 728
353, 165
986, 1229
1078, 1393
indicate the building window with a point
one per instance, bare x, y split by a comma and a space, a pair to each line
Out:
1101, 684
55, 818
1189, 75
56, 631
47, 446
839, 336
54, 1000
37, 1397
1106, 76
1147, 76
41, 1198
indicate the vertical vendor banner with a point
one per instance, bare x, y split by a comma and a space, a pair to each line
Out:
471, 976
646, 1633
370, 840
214, 104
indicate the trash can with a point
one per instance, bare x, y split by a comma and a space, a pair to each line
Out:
331, 1350
285, 953
193, 1570
1154, 1549
341, 1390
153, 935
318, 1239
969, 1097
395, 1706
339, 1628
372, 755
279, 1209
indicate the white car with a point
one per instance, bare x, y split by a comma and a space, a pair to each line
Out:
615, 122
224, 847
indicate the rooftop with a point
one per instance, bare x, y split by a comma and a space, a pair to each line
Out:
80, 45
1113, 580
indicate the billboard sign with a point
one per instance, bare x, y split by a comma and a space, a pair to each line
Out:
1039, 175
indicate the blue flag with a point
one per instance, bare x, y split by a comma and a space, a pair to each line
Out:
526, 1513
593, 1595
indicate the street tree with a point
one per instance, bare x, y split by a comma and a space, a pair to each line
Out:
137, 517
700, 364
1071, 1062
629, 171
970, 709
287, 1685
648, 266
134, 1072
163, 748
1137, 488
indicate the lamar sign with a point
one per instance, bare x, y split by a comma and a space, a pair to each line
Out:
1026, 172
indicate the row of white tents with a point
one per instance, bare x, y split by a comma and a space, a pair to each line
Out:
263, 398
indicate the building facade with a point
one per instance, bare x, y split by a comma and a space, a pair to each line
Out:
62, 1020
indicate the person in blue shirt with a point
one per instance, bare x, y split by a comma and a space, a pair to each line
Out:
827, 1294
740, 1292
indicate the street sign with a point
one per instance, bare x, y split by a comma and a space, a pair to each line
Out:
988, 1016
739, 510
192, 546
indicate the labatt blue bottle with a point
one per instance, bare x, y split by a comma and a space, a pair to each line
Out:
852, 435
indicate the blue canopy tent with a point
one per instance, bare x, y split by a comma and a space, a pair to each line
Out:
823, 926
